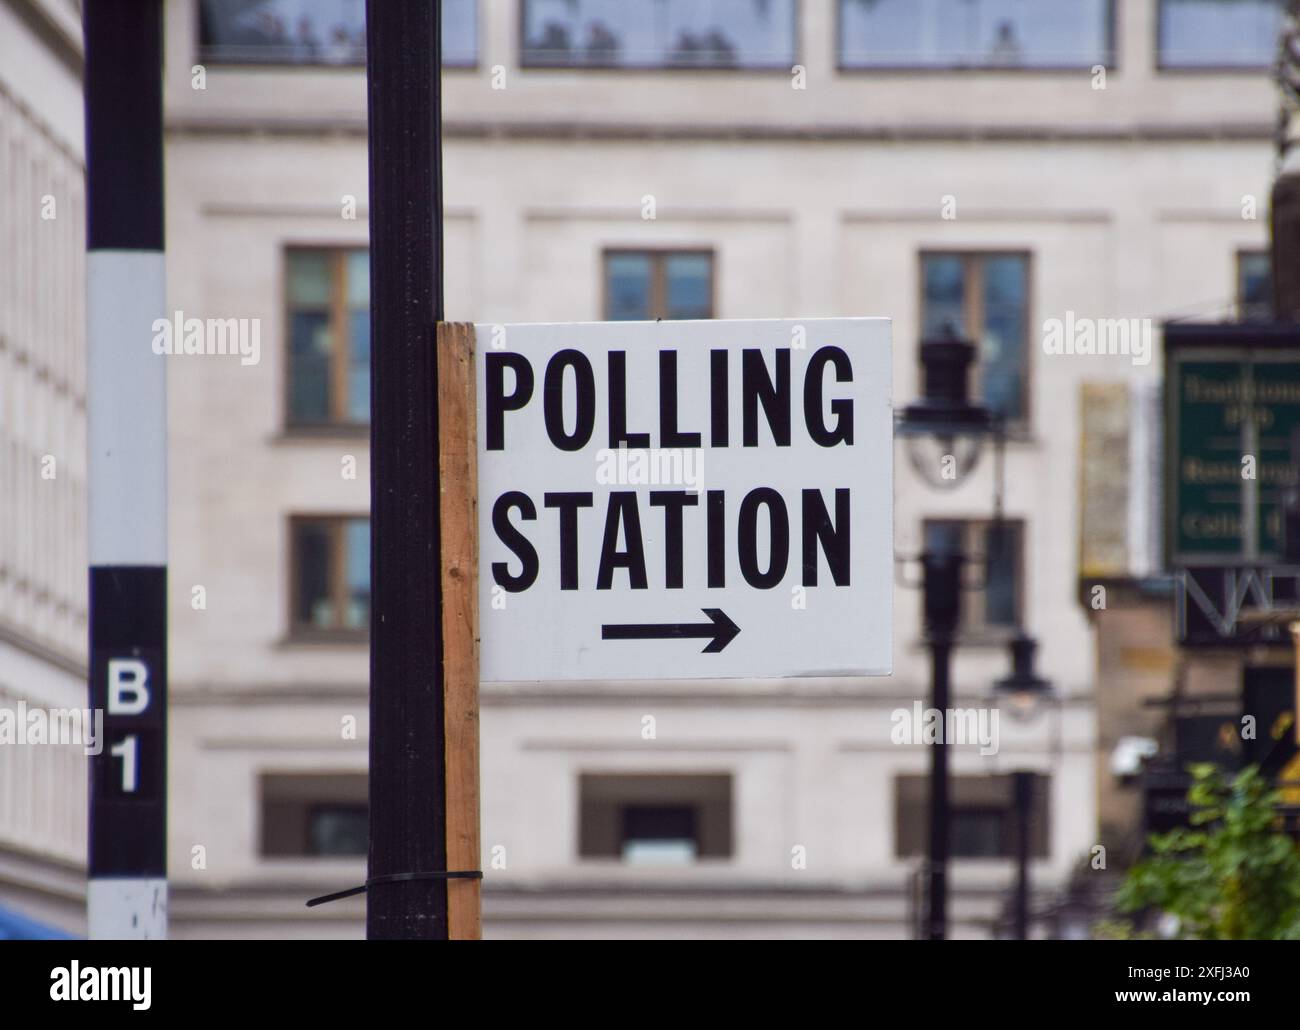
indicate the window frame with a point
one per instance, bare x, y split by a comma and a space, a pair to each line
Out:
910, 801
298, 631
973, 306
1111, 63
204, 56
1162, 68
340, 374
782, 68
658, 256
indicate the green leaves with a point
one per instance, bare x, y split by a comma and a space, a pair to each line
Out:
1232, 875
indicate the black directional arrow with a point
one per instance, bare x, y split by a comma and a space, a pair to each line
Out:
719, 630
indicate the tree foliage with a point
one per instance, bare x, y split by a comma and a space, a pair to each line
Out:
1231, 875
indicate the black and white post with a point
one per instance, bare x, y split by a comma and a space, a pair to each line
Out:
126, 402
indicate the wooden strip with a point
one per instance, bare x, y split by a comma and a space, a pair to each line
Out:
458, 461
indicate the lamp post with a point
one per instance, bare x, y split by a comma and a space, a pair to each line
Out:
1025, 691
944, 434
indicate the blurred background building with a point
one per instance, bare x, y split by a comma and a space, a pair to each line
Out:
42, 456
986, 164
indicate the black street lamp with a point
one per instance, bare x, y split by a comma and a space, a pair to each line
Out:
1025, 692
944, 434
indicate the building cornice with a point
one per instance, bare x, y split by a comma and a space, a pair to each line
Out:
354, 125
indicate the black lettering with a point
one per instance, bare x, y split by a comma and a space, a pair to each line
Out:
841, 408
756, 387
622, 511
717, 536
834, 539
515, 540
719, 400
778, 542
498, 401
618, 433
553, 399
568, 504
672, 502
669, 435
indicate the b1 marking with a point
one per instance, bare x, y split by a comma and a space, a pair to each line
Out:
685, 500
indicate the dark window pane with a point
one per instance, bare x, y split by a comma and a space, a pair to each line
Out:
342, 830
943, 295
357, 541
313, 31
309, 279
688, 282
977, 833
1219, 33
627, 287
945, 537
974, 33
1255, 287
313, 606
662, 33
309, 367
1001, 588
359, 366
1002, 340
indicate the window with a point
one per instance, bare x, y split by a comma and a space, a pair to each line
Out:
1219, 33
659, 33
975, 33
982, 816
1254, 286
642, 285
996, 608
648, 819
328, 323
314, 32
314, 815
331, 576
985, 298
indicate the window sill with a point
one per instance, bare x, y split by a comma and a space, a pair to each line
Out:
302, 640
332, 431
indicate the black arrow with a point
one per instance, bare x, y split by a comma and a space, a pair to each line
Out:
720, 630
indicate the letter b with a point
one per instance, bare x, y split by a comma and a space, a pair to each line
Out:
128, 690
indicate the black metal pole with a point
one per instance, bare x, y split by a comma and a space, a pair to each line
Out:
1023, 783
941, 568
407, 741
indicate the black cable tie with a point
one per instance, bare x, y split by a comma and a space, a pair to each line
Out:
463, 874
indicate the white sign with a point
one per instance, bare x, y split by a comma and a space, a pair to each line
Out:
685, 500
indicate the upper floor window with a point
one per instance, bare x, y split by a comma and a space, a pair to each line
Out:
655, 819
641, 285
984, 298
975, 33
659, 33
1219, 33
1254, 286
314, 32
982, 818
330, 576
314, 815
328, 325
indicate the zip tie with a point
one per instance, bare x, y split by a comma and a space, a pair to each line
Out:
472, 874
